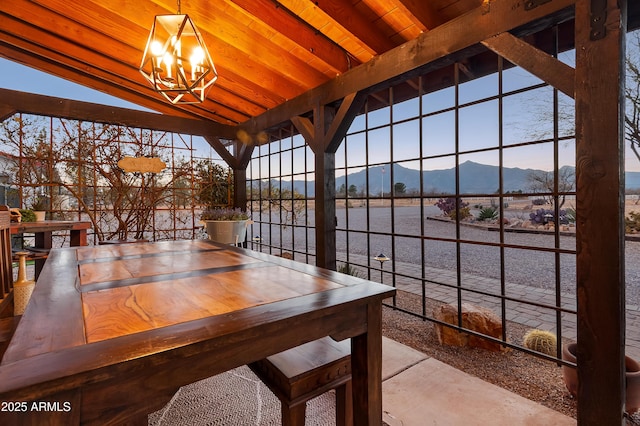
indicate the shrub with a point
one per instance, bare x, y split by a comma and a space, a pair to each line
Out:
539, 202
349, 270
448, 205
464, 213
28, 215
224, 214
488, 213
541, 341
539, 217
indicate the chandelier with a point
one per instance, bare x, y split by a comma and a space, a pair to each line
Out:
176, 61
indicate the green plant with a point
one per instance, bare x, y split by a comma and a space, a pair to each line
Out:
347, 269
224, 214
28, 215
488, 213
541, 341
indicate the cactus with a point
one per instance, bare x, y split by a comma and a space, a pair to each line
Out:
542, 341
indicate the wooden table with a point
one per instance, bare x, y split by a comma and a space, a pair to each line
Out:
43, 231
112, 332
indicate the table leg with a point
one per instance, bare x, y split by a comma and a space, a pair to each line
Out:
42, 240
366, 370
78, 237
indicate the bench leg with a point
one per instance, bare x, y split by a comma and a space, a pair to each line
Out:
344, 405
293, 416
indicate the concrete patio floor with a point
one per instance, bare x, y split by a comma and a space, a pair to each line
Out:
420, 391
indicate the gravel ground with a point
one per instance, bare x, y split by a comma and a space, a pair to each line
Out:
475, 259
521, 265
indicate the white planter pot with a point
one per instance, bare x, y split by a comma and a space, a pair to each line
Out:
227, 231
40, 215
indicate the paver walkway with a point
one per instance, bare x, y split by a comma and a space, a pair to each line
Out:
437, 283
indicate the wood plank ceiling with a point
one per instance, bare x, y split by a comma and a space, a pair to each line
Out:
266, 51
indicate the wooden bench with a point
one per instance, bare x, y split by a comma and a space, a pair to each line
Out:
8, 322
304, 372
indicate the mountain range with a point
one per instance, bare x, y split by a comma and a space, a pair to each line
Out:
475, 178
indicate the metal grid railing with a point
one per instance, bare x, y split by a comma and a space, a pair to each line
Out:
457, 145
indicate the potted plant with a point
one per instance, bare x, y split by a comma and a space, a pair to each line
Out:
226, 225
39, 206
632, 377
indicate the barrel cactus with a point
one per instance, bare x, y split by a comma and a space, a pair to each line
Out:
541, 341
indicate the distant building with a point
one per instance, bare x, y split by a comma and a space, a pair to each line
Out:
8, 192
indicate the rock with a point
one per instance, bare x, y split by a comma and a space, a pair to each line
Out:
474, 318
518, 224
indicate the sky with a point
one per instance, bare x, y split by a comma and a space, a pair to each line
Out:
15, 76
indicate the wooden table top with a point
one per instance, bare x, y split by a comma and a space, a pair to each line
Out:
97, 309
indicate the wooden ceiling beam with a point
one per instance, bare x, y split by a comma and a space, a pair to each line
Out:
318, 19
413, 58
253, 46
542, 65
343, 12
302, 34
29, 103
6, 111
424, 12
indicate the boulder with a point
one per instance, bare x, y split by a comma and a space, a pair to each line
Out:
474, 318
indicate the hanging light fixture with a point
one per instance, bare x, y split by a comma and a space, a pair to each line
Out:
176, 61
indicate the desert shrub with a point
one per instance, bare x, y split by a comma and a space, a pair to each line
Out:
539, 202
538, 217
448, 205
488, 213
464, 213
347, 269
541, 341
632, 223
570, 215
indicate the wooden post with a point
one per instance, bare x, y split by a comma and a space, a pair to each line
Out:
324, 136
600, 32
325, 210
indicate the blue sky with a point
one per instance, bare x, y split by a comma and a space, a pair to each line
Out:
19, 77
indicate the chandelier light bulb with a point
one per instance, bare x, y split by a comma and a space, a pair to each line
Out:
156, 48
